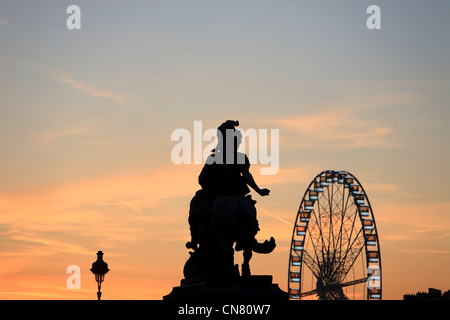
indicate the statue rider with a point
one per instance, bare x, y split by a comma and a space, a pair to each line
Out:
226, 171
228, 174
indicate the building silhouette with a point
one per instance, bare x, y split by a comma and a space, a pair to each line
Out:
432, 294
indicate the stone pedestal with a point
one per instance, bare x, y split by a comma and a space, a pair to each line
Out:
255, 287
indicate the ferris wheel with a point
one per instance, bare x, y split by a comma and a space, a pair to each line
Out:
335, 251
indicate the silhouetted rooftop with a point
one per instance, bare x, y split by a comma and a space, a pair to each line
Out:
432, 294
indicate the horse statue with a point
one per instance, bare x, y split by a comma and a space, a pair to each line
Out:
229, 221
223, 215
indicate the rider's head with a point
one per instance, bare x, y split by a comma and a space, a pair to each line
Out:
227, 125
227, 130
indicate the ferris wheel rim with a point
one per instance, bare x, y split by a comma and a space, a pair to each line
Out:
348, 180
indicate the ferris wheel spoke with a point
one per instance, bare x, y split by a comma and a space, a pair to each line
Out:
308, 293
354, 282
351, 231
359, 251
341, 237
334, 286
331, 241
312, 226
344, 209
315, 263
312, 265
330, 226
316, 253
345, 265
342, 262
339, 223
319, 223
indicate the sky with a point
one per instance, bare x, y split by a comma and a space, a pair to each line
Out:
86, 118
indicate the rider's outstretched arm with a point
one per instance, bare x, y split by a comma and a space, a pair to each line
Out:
251, 182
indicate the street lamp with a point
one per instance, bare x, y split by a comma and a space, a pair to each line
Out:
99, 269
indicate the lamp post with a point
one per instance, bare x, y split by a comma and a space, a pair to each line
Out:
99, 269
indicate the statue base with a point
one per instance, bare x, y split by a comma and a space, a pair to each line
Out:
255, 287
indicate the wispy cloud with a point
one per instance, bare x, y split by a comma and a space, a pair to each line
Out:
377, 186
62, 76
52, 246
85, 87
348, 116
426, 251
414, 224
289, 223
299, 174
91, 201
4, 22
337, 129
52, 136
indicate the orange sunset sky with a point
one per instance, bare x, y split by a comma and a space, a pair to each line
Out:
86, 118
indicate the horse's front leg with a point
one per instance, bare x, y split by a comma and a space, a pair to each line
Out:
246, 264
